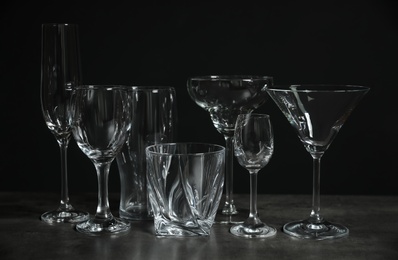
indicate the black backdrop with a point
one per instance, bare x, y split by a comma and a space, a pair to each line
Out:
347, 42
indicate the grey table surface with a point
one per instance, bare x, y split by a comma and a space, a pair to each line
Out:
372, 220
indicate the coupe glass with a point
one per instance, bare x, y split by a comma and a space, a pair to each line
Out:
254, 146
100, 123
60, 72
317, 113
225, 97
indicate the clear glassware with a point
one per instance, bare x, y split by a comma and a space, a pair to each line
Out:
154, 120
60, 72
224, 98
253, 147
317, 113
100, 123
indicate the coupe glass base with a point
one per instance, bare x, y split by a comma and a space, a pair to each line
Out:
63, 216
325, 230
260, 232
229, 209
111, 226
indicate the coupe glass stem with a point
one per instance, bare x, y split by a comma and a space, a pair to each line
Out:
315, 216
103, 212
63, 145
229, 206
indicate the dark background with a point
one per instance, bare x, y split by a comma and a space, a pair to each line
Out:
345, 42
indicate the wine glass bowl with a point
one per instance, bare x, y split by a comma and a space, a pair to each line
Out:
253, 147
317, 113
100, 124
60, 73
224, 98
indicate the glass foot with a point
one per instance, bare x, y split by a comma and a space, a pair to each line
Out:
64, 216
242, 230
97, 227
229, 209
321, 231
238, 218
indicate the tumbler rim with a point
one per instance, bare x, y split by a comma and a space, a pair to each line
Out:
230, 77
219, 148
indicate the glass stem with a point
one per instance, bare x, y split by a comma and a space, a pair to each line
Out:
315, 216
229, 207
63, 145
103, 212
253, 198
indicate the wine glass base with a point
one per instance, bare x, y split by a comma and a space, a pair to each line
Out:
241, 230
306, 230
64, 216
98, 227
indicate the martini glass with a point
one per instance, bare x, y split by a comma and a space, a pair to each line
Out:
225, 97
317, 112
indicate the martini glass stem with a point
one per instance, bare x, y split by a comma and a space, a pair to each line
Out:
315, 216
63, 145
229, 206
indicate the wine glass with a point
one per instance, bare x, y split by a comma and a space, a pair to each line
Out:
317, 113
253, 147
224, 98
100, 124
60, 72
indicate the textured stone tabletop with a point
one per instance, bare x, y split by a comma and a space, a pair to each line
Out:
372, 220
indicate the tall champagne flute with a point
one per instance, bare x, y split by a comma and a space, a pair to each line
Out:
253, 147
317, 113
100, 124
224, 98
60, 73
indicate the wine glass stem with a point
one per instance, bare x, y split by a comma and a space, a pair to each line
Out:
103, 211
229, 207
63, 145
315, 216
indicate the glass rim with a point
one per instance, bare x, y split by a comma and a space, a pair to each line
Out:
58, 24
219, 148
150, 87
318, 88
99, 86
256, 115
230, 77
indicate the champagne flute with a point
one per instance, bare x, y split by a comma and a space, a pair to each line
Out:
224, 98
253, 147
100, 124
60, 72
317, 113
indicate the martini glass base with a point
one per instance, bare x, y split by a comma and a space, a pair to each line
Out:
319, 231
64, 216
97, 227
